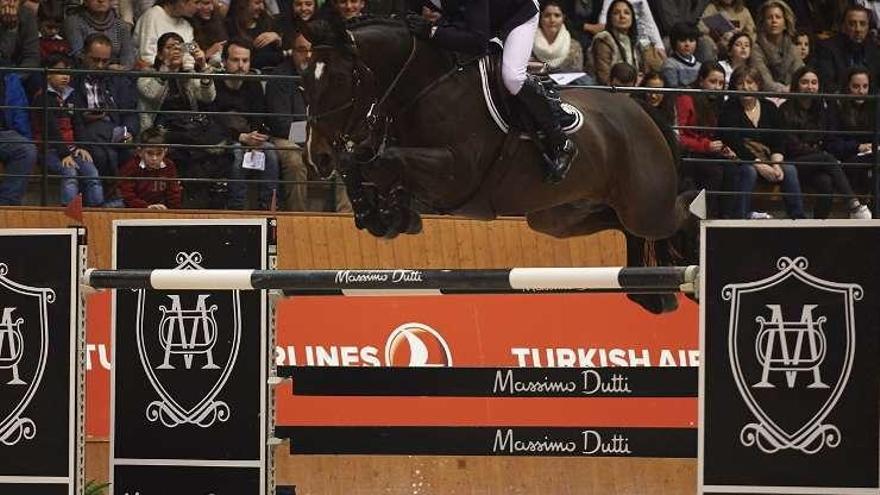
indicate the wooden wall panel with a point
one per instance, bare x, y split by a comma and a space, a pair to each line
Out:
331, 241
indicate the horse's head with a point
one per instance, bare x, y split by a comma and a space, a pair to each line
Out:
341, 90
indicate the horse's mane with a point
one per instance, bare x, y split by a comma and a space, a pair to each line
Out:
333, 31
373, 20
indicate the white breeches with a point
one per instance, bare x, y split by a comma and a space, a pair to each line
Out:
517, 52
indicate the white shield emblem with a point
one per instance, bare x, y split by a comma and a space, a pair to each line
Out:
188, 344
24, 338
791, 345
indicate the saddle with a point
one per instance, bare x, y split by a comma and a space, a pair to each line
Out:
502, 105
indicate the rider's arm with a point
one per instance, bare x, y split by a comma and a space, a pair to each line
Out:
467, 32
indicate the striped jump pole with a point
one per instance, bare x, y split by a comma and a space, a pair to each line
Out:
407, 282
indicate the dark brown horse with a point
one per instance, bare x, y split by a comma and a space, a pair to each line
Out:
400, 119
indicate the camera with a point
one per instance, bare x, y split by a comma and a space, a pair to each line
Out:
190, 47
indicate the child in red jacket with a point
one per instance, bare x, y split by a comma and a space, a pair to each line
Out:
150, 162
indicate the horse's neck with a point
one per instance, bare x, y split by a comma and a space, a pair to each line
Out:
388, 56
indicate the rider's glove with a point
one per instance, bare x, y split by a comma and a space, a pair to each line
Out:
419, 26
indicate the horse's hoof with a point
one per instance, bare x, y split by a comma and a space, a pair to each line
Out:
414, 226
655, 303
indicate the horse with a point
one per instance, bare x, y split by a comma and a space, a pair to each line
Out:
400, 119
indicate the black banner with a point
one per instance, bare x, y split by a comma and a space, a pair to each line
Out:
501, 441
189, 480
190, 366
39, 403
791, 357
493, 382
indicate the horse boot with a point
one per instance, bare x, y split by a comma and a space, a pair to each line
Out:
558, 150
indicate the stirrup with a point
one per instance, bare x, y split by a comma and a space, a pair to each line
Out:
557, 167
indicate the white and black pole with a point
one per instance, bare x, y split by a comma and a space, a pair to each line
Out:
407, 281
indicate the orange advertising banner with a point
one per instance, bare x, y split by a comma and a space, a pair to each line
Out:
547, 330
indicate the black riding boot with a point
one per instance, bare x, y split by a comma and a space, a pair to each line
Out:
558, 150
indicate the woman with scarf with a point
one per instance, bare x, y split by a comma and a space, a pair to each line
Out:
821, 170
554, 45
774, 53
617, 43
97, 16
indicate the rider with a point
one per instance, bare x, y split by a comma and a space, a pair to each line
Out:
469, 25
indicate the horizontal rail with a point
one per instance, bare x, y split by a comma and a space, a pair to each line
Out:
405, 281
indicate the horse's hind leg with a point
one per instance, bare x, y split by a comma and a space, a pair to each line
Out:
636, 255
574, 219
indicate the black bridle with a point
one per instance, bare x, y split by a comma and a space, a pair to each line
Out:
366, 121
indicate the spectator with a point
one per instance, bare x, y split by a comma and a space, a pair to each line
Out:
63, 156
702, 110
209, 30
818, 16
287, 100
763, 149
167, 16
292, 13
874, 7
855, 116
553, 44
100, 95
303, 10
739, 54
661, 105
17, 152
671, 12
739, 19
617, 43
623, 75
97, 16
774, 54
249, 20
682, 67
803, 41
253, 156
582, 20
150, 162
348, 9
812, 114
850, 48
189, 94
49, 21
648, 40
19, 36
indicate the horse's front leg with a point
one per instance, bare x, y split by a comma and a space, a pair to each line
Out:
396, 175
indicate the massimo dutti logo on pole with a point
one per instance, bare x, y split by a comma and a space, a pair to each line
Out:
24, 338
787, 352
188, 344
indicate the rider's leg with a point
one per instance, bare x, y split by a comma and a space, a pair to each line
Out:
517, 50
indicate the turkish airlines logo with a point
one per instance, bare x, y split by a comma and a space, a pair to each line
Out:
417, 345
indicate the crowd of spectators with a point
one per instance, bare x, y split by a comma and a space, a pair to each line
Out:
110, 127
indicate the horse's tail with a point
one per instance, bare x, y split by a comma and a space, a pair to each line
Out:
679, 247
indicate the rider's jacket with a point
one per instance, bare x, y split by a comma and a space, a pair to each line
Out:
468, 25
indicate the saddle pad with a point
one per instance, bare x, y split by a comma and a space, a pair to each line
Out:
493, 93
